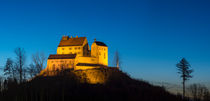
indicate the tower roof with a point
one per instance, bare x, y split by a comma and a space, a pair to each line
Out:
100, 43
77, 41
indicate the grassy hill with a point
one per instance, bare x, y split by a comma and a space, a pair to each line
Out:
67, 86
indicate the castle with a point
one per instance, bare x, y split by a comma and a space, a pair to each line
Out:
74, 53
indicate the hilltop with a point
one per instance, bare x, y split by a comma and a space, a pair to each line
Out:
66, 85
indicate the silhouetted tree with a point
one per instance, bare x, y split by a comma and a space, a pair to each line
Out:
206, 96
38, 61
31, 70
185, 71
9, 69
198, 92
117, 60
20, 61
1, 83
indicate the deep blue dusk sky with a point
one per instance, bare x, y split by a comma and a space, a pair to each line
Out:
151, 36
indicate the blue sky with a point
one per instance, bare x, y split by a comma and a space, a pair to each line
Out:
151, 35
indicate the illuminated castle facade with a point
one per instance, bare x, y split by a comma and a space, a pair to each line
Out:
74, 53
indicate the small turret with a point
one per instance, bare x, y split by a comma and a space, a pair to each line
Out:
65, 37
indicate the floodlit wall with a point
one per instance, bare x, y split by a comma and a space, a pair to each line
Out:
85, 67
53, 64
88, 60
70, 50
103, 55
100, 52
79, 50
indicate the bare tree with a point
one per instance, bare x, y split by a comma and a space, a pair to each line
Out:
1, 84
206, 96
198, 92
185, 71
38, 60
117, 60
9, 69
31, 70
20, 61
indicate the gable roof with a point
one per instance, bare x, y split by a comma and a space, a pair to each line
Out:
62, 56
100, 43
72, 41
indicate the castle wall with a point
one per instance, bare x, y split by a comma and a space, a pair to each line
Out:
103, 55
54, 64
100, 52
85, 67
82, 50
70, 50
94, 50
90, 60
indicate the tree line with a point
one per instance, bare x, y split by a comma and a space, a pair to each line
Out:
17, 70
197, 92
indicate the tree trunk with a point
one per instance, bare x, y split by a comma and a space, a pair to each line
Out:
183, 88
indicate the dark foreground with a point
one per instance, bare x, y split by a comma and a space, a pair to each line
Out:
66, 87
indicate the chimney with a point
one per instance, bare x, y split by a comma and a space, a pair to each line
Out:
76, 36
65, 37
71, 36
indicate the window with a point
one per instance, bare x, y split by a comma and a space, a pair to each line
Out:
69, 48
75, 48
78, 52
78, 47
51, 61
104, 56
62, 48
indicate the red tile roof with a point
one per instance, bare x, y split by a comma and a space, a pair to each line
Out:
62, 56
72, 41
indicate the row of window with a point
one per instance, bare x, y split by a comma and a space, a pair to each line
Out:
66, 65
104, 55
101, 48
72, 48
62, 61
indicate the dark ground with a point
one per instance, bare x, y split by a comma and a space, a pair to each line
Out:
66, 87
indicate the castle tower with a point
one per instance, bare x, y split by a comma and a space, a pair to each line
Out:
100, 51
